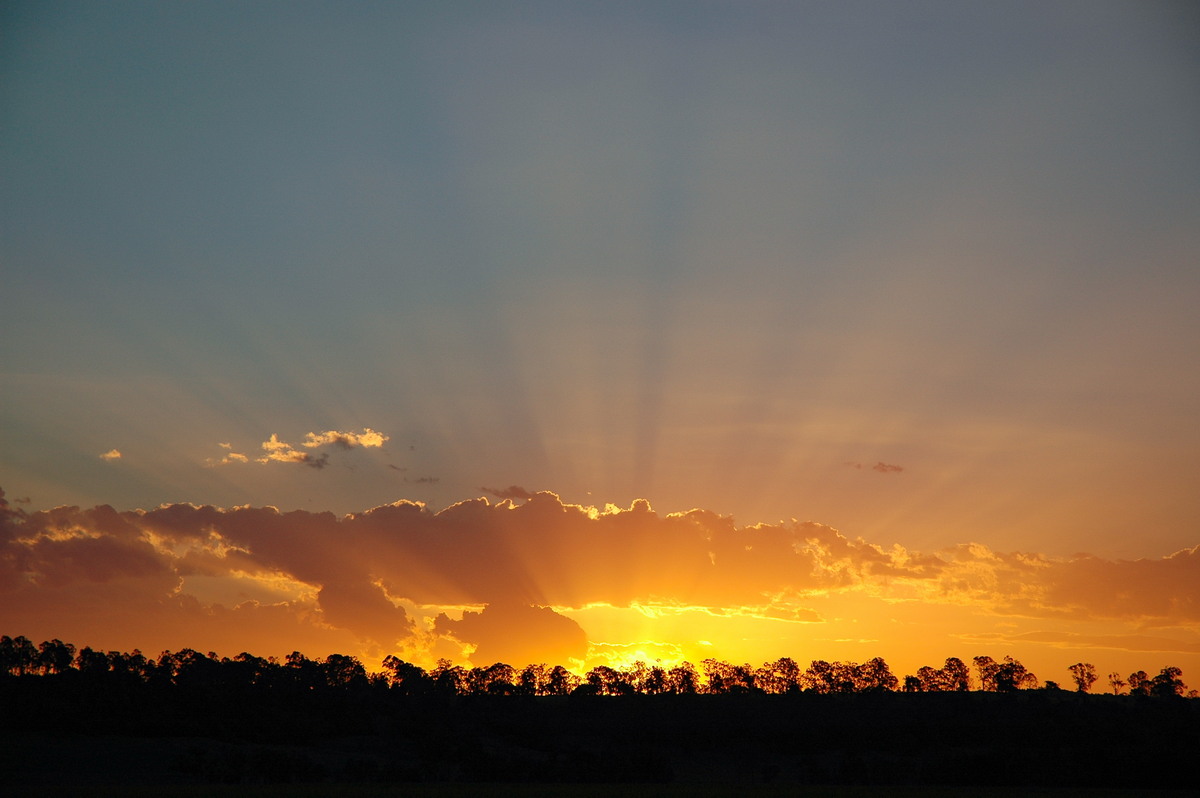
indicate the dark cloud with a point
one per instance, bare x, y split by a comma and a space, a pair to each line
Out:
880, 466
517, 635
364, 609
511, 492
351, 575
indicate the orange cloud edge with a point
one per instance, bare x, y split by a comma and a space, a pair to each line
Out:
542, 580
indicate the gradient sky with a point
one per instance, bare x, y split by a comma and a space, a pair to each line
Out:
923, 273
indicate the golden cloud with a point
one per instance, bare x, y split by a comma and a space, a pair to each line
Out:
524, 565
280, 451
348, 440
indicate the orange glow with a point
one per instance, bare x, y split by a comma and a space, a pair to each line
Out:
542, 580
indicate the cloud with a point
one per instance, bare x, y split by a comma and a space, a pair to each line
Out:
511, 492
350, 577
279, 451
229, 457
1083, 586
518, 635
346, 440
110, 455
880, 466
1132, 642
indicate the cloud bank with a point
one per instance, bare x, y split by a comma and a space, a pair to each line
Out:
496, 579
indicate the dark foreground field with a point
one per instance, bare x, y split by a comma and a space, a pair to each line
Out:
144, 742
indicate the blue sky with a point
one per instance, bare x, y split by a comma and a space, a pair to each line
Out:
719, 255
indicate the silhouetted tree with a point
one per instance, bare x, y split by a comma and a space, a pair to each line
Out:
603, 680
496, 679
1139, 683
780, 676
55, 656
1084, 674
532, 680
561, 681
18, 655
191, 668
683, 679
131, 668
722, 677
1167, 683
407, 678
448, 678
247, 669
955, 675
343, 671
303, 673
655, 681
1116, 682
91, 662
1005, 676
819, 677
874, 676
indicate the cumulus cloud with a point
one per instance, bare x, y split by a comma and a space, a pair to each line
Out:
111, 454
350, 577
347, 440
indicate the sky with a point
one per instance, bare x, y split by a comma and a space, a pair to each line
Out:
603, 331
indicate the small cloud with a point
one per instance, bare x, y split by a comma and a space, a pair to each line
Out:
511, 492
110, 455
278, 451
230, 456
368, 438
881, 467
396, 468
422, 480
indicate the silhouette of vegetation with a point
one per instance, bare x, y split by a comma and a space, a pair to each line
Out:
203, 719
1084, 674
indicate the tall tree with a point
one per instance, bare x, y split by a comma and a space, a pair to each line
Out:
1084, 674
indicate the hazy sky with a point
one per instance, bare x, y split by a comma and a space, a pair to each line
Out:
925, 273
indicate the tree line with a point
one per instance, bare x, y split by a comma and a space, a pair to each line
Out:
20, 657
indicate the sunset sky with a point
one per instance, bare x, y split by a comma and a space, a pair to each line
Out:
587, 332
